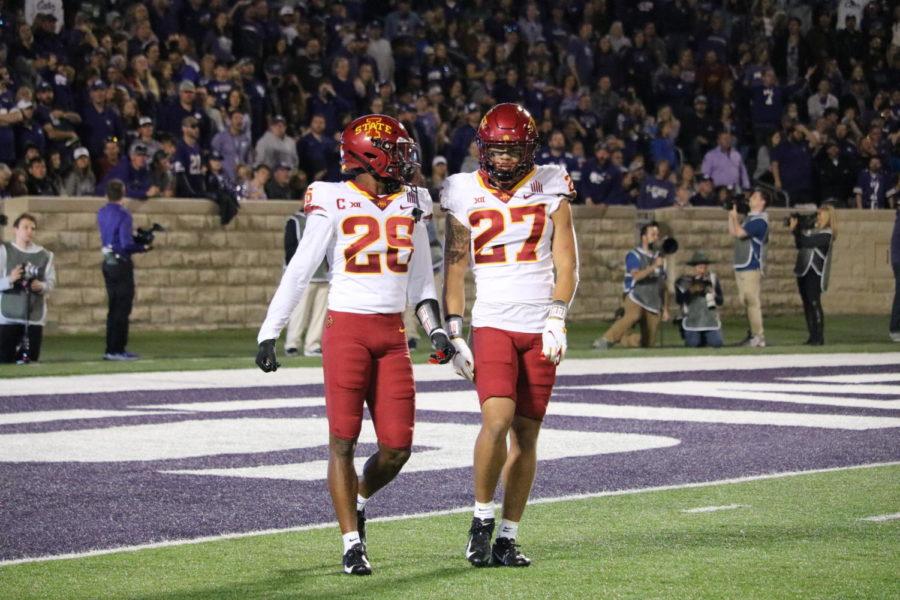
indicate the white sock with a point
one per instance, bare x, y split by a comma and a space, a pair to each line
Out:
350, 539
361, 502
484, 510
508, 529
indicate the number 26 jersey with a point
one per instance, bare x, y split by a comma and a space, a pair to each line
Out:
510, 247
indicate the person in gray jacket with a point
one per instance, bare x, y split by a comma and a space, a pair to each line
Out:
276, 147
700, 295
80, 181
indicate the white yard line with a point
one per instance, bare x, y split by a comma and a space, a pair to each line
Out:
249, 378
882, 518
231, 536
709, 509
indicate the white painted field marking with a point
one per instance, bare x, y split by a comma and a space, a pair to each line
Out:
882, 518
238, 405
762, 392
449, 446
251, 378
855, 378
436, 513
709, 509
45, 416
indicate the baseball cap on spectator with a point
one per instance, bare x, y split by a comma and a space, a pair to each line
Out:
98, 84
80, 152
703, 177
472, 107
44, 87
216, 155
700, 98
143, 121
139, 150
187, 86
435, 89
278, 119
286, 10
24, 104
428, 50
160, 155
438, 160
244, 61
283, 166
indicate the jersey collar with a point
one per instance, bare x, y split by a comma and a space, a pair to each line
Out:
381, 202
502, 195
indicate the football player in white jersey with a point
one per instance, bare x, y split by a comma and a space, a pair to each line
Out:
511, 223
372, 229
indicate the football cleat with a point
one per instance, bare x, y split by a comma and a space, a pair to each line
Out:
506, 553
361, 525
356, 562
478, 550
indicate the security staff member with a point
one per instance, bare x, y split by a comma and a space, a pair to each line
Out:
699, 295
24, 263
118, 244
812, 268
646, 299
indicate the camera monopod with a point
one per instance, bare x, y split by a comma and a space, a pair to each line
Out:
23, 350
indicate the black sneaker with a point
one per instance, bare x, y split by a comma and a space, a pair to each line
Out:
506, 552
478, 550
356, 562
361, 525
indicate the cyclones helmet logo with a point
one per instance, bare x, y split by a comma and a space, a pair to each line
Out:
374, 127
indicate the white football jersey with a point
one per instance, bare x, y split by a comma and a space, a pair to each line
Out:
377, 252
511, 236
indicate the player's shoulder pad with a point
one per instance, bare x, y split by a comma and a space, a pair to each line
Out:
320, 197
554, 179
450, 191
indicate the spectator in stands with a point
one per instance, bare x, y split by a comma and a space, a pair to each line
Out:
792, 165
5, 178
725, 165
145, 136
162, 176
255, 188
134, 173
38, 183
58, 124
100, 121
834, 176
705, 195
766, 106
80, 181
279, 186
173, 114
819, 102
276, 147
874, 188
28, 130
698, 130
10, 116
233, 143
187, 162
438, 175
657, 191
319, 151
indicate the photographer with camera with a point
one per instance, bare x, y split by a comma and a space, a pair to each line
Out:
751, 233
118, 244
699, 295
646, 296
813, 235
28, 276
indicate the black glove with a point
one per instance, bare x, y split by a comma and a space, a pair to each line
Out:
265, 358
443, 347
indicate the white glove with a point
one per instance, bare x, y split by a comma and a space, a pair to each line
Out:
463, 360
554, 339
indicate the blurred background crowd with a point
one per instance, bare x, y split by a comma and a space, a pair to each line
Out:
652, 103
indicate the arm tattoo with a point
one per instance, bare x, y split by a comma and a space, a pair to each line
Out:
456, 241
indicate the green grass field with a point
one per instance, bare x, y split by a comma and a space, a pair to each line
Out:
797, 537
235, 348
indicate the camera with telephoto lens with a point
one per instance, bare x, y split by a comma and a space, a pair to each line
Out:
145, 237
30, 272
739, 201
668, 246
804, 220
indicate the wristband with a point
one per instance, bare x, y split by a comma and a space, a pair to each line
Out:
454, 326
558, 310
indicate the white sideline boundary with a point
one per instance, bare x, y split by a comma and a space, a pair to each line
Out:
245, 534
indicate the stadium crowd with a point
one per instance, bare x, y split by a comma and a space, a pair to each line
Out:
653, 103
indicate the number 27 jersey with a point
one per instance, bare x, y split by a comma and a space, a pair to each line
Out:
510, 247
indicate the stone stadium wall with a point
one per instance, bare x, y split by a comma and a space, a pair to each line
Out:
203, 276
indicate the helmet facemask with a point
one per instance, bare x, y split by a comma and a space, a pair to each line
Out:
491, 152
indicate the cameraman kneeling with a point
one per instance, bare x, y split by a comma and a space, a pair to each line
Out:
699, 294
29, 276
813, 239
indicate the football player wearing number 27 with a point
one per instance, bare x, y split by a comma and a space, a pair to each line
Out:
371, 227
511, 221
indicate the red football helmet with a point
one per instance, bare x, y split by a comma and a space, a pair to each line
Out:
507, 126
381, 146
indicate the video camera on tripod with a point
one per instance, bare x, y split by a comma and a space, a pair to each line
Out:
145, 237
